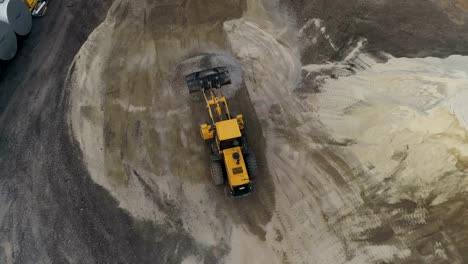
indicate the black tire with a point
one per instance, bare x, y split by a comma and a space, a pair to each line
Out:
213, 147
251, 164
217, 172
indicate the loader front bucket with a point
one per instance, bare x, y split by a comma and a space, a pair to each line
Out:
212, 78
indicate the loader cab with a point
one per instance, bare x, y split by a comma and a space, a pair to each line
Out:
228, 134
230, 143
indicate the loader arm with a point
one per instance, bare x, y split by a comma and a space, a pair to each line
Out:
214, 103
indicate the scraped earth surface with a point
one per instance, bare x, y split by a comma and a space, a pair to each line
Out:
355, 110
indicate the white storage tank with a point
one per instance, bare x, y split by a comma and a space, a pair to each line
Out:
8, 44
17, 15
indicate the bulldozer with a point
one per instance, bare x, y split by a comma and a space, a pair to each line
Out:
37, 8
230, 156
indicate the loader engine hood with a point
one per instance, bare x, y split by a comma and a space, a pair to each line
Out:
235, 167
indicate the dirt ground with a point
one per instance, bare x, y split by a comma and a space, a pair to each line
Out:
101, 160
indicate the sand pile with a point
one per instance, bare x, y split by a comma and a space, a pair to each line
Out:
338, 137
407, 118
392, 131
138, 127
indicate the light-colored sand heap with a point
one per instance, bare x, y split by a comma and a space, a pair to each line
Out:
407, 118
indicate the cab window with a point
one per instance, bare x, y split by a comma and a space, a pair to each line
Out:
230, 143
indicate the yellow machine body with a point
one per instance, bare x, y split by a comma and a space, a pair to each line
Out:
226, 128
224, 134
206, 131
240, 121
31, 4
235, 168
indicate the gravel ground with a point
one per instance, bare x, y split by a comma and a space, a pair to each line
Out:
50, 210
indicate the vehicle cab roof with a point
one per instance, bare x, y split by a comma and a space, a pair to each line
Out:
228, 129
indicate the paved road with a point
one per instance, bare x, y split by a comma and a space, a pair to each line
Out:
50, 210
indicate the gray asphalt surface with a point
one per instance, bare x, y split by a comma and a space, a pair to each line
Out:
50, 210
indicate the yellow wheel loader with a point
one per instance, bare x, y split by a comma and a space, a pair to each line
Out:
230, 157
37, 8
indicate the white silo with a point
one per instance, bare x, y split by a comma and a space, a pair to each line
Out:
8, 44
17, 15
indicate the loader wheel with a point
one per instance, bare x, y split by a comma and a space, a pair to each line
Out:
217, 173
251, 163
